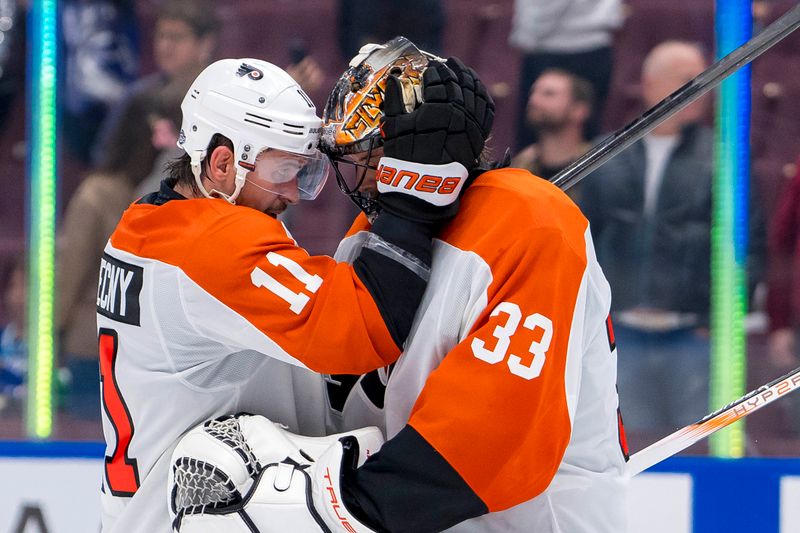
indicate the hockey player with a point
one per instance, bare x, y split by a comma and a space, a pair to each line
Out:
502, 413
503, 408
207, 306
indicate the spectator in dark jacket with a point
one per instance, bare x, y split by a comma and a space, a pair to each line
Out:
650, 214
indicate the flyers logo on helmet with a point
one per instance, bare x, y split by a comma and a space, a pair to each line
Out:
413, 180
366, 116
250, 71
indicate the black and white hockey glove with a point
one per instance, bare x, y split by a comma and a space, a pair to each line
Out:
429, 151
244, 473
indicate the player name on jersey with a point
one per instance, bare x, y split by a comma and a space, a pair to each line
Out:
118, 290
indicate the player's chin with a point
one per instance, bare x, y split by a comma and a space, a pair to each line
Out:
275, 210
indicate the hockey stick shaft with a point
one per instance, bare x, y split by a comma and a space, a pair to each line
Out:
685, 437
672, 104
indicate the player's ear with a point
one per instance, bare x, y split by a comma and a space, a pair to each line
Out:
221, 166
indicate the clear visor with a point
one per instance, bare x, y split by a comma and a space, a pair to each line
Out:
293, 176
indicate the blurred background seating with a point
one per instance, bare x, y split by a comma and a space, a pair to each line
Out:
287, 31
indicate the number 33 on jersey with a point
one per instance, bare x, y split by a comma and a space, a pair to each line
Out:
503, 334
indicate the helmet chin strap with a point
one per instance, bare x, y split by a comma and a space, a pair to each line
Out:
197, 157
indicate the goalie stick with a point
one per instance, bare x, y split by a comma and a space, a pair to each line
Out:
694, 89
685, 437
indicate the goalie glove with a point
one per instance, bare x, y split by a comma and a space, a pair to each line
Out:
244, 473
308, 496
428, 152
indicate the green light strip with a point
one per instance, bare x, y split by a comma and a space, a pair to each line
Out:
42, 216
730, 229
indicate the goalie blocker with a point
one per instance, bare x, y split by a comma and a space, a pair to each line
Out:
246, 474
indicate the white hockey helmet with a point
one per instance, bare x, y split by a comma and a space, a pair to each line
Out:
257, 106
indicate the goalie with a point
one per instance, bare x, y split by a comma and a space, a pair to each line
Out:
502, 413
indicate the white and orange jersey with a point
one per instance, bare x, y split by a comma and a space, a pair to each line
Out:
205, 308
508, 375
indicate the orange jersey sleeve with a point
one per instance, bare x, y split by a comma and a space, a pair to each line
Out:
314, 308
496, 408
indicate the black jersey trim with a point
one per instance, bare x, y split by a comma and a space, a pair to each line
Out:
409, 486
413, 237
396, 290
164, 194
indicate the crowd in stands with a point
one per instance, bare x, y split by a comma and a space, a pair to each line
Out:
564, 73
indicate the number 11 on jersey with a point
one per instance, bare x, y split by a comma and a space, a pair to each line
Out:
296, 300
